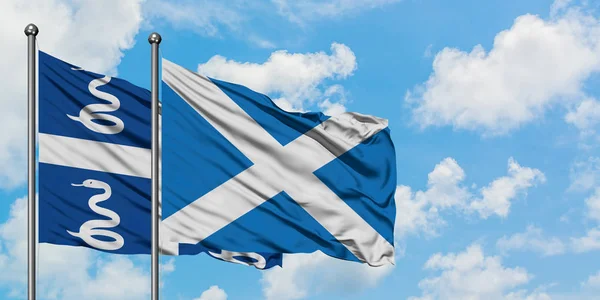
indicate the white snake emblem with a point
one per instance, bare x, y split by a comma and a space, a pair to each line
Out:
89, 229
229, 256
92, 112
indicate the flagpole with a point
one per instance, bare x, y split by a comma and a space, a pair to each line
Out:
154, 39
31, 32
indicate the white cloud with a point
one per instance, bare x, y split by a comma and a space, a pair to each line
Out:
66, 27
66, 272
308, 274
559, 6
496, 197
532, 66
593, 205
444, 189
415, 215
420, 211
593, 282
532, 240
471, 275
204, 17
335, 98
213, 293
428, 51
589, 242
524, 295
168, 267
332, 109
261, 42
296, 79
302, 11
585, 175
585, 117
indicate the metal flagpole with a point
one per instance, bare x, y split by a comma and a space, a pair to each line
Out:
154, 39
31, 32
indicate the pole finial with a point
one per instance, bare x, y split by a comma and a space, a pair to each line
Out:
31, 29
154, 38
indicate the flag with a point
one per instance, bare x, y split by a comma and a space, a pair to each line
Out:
95, 163
94, 160
241, 174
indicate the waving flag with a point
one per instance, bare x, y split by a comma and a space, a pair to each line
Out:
241, 174
94, 173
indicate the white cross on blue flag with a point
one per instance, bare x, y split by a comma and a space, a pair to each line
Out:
241, 174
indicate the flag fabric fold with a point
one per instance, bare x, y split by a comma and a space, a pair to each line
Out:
241, 174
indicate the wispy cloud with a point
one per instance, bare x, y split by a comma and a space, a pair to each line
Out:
585, 174
589, 242
301, 12
204, 17
216, 18
534, 240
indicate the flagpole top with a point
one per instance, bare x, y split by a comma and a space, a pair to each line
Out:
31, 29
154, 38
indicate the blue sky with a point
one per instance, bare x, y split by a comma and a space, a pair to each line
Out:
492, 107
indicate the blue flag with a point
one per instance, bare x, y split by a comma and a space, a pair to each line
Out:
241, 174
94, 171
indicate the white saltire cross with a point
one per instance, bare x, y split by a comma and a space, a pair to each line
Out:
275, 168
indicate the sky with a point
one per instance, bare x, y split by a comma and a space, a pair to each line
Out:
493, 109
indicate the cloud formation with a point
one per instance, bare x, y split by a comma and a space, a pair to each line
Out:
532, 66
294, 80
213, 293
419, 212
593, 282
592, 204
472, 275
585, 174
585, 116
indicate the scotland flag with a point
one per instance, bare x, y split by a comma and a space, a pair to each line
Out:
94, 172
241, 174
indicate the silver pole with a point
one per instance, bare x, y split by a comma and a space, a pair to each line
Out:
154, 40
31, 32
